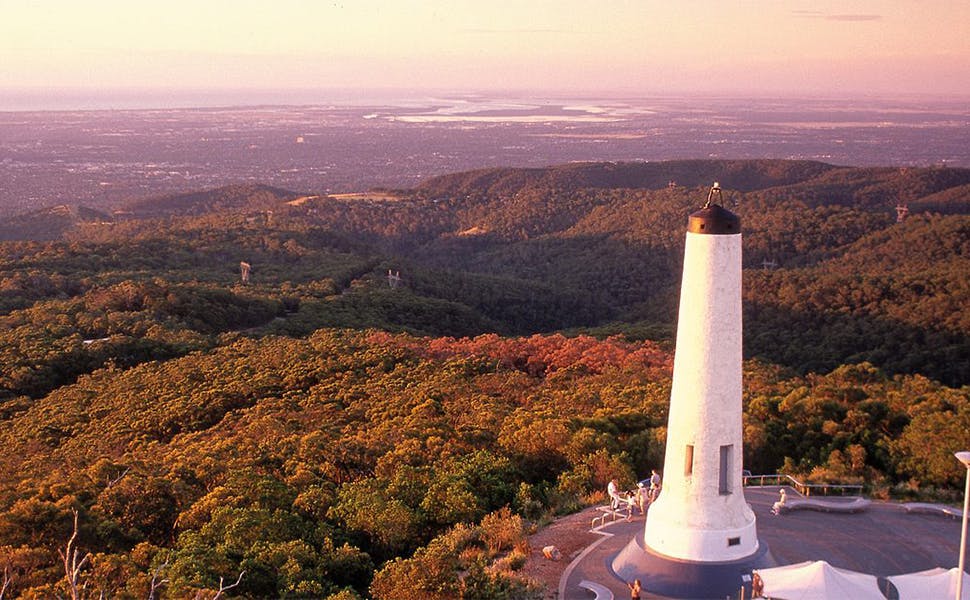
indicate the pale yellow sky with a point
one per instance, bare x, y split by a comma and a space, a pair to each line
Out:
606, 46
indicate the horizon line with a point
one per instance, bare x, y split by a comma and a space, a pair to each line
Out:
78, 98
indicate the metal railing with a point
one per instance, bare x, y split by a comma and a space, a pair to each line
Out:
805, 489
613, 513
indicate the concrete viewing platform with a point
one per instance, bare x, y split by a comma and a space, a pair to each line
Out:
879, 538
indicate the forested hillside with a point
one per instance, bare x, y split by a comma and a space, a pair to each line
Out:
308, 463
329, 431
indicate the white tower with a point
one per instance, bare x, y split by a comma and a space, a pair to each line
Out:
702, 515
700, 539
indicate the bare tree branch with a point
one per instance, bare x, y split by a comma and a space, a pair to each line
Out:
156, 582
228, 587
7, 580
222, 588
112, 482
72, 567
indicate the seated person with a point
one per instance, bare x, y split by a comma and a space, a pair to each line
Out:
777, 507
616, 498
612, 490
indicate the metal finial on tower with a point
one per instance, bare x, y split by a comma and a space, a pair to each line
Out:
713, 218
715, 189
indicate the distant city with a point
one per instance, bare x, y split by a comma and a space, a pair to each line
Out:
102, 158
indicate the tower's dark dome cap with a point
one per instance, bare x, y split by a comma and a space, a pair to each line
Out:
714, 219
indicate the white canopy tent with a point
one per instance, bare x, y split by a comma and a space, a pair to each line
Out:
934, 583
817, 580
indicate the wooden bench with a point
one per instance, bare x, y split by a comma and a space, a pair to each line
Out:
926, 507
852, 506
602, 592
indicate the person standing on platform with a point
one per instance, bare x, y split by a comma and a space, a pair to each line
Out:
634, 589
655, 484
642, 497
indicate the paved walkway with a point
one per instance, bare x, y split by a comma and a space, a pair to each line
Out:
883, 540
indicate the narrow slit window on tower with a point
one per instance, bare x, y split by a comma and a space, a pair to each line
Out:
724, 475
689, 461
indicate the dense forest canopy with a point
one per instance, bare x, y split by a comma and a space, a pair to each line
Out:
330, 431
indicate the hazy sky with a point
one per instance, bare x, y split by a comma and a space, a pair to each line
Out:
595, 46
